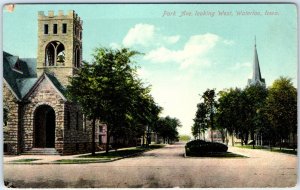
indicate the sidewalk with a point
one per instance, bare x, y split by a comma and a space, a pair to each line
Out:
45, 159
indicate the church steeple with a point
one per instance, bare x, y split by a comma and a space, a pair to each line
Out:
59, 44
256, 76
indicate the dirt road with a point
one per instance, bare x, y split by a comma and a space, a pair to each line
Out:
165, 167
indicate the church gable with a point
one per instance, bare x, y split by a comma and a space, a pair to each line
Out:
47, 89
9, 93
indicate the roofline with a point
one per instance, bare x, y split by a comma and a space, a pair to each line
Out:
10, 88
39, 81
63, 97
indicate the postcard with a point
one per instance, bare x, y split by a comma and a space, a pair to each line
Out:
155, 95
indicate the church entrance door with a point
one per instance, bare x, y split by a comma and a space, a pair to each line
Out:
44, 127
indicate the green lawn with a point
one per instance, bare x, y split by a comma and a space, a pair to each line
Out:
220, 155
250, 147
274, 149
25, 160
80, 161
122, 152
110, 156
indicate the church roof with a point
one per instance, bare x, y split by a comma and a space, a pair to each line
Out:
57, 84
24, 85
20, 75
16, 70
256, 76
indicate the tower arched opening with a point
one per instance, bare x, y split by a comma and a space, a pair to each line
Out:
55, 54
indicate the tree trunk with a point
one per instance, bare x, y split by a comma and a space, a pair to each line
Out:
253, 140
107, 138
143, 139
211, 135
93, 136
242, 140
232, 140
280, 143
293, 143
226, 137
246, 138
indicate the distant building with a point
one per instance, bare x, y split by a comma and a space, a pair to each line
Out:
255, 80
256, 76
38, 117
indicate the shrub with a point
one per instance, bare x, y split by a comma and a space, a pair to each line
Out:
200, 147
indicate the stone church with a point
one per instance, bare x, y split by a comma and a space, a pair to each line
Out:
38, 118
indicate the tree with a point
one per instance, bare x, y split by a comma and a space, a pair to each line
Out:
282, 108
184, 138
107, 90
255, 98
167, 128
200, 120
229, 112
83, 92
209, 100
146, 112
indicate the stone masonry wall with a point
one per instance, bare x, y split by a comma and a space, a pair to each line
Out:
13, 122
44, 94
71, 40
77, 133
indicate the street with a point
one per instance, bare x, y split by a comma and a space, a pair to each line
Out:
165, 167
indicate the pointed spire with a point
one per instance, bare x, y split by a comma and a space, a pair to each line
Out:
256, 69
256, 76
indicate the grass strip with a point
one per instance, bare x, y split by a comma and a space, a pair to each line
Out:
25, 160
218, 155
125, 152
80, 161
274, 149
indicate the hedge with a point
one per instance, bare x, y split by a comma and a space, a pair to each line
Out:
200, 147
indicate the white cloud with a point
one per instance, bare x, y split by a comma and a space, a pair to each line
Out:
115, 45
228, 42
171, 39
193, 52
147, 35
140, 34
143, 73
239, 65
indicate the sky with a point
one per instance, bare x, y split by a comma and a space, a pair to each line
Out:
187, 48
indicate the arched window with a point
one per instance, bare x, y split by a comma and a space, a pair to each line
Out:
55, 54
77, 57
5, 115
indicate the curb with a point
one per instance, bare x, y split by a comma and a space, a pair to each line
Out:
53, 162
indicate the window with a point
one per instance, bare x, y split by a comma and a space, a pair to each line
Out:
75, 31
17, 66
54, 28
45, 28
80, 34
55, 54
5, 115
77, 57
5, 149
64, 28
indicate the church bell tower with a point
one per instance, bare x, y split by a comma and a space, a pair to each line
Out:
59, 44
